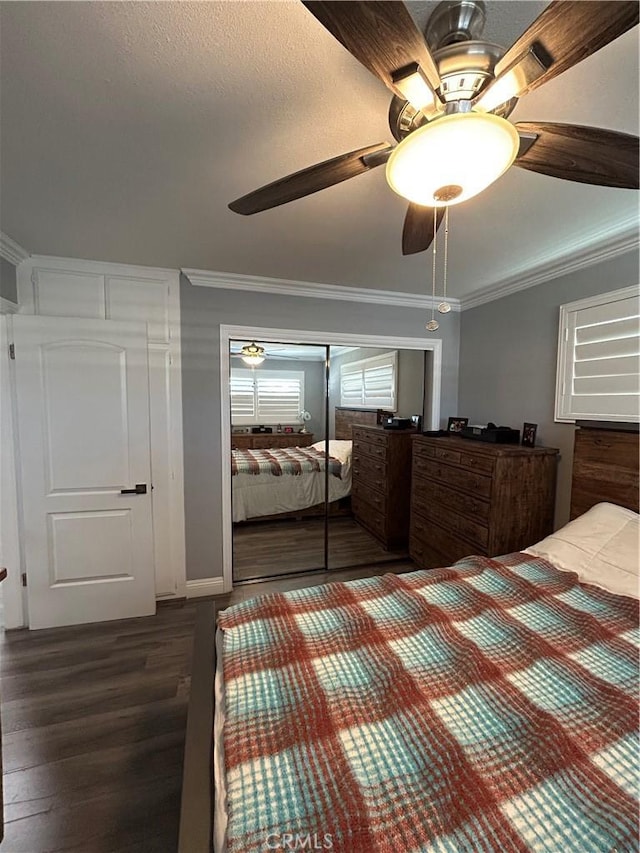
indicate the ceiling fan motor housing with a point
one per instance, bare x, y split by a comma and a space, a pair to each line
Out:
465, 63
465, 69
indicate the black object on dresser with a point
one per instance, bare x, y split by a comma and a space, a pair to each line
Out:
381, 482
477, 498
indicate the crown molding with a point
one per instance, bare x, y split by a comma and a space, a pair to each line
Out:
11, 251
313, 290
111, 268
625, 239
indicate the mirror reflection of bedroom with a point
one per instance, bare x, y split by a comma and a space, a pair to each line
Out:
316, 484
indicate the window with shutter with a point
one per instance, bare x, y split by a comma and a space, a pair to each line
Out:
370, 383
267, 396
598, 375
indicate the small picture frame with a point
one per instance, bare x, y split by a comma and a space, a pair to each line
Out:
456, 424
287, 429
529, 434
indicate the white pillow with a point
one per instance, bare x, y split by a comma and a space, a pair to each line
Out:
601, 546
340, 450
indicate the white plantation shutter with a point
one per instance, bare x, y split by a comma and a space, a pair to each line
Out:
370, 383
267, 396
599, 358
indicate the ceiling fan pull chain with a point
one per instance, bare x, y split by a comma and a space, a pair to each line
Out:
444, 306
433, 324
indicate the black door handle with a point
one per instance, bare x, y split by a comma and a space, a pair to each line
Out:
140, 489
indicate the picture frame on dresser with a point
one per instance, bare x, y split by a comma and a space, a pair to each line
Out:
456, 424
529, 434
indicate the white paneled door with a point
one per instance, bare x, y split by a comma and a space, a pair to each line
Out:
83, 429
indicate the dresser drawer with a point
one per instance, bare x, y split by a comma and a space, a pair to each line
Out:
425, 556
427, 493
368, 516
370, 448
364, 493
431, 535
452, 521
371, 470
264, 442
468, 481
463, 458
370, 435
241, 442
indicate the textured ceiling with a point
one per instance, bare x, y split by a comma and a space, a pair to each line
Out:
128, 127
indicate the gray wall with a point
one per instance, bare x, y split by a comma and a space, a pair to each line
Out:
203, 310
410, 378
508, 351
8, 285
313, 388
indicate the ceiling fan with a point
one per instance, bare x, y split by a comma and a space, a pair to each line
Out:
452, 95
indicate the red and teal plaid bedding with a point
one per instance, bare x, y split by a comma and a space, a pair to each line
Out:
279, 461
491, 706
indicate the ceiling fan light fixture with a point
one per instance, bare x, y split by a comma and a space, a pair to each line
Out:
452, 158
252, 354
414, 87
513, 82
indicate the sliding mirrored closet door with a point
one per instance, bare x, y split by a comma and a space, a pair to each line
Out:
278, 429
318, 484
372, 527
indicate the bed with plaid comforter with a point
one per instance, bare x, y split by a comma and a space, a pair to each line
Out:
491, 706
278, 461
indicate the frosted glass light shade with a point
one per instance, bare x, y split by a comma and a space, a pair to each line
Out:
452, 158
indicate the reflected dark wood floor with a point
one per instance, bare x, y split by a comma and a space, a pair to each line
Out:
267, 548
93, 724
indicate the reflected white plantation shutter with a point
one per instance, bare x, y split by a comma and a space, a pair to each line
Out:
267, 396
350, 386
243, 407
279, 396
370, 383
599, 358
379, 386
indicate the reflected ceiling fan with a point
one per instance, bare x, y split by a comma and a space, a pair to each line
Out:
254, 354
452, 95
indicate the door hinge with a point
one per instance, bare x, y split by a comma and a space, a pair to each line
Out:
24, 579
12, 351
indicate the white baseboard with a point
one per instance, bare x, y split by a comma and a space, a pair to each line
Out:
205, 586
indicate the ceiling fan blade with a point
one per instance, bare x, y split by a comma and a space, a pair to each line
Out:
417, 233
382, 35
564, 34
589, 155
315, 178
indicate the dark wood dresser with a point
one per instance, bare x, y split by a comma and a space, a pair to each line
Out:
472, 497
264, 441
605, 467
381, 482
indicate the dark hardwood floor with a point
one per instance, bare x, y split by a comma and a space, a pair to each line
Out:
93, 722
267, 548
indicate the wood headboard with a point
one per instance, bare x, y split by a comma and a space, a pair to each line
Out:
605, 468
346, 418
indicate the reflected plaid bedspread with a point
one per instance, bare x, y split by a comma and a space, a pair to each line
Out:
277, 461
491, 706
